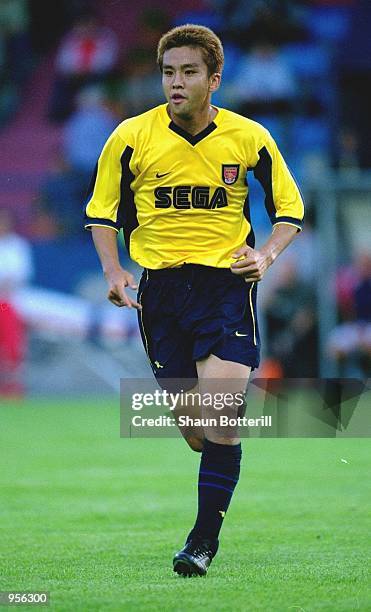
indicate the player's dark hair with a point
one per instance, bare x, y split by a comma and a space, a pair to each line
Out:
190, 35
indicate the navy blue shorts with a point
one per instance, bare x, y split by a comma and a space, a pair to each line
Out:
193, 311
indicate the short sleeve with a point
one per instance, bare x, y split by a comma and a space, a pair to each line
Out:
283, 200
106, 191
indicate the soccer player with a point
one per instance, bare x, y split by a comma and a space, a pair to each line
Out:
175, 180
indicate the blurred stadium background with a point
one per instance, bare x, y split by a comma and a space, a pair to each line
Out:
94, 518
71, 71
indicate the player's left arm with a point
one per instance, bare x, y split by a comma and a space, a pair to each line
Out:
255, 262
285, 208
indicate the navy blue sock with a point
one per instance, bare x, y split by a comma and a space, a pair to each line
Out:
218, 476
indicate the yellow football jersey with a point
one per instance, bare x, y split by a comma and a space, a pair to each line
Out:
184, 199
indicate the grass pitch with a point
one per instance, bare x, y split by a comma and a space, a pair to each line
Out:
95, 519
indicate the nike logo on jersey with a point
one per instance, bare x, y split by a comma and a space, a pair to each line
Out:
158, 175
239, 335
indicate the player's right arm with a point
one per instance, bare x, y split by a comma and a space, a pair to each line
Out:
105, 241
104, 215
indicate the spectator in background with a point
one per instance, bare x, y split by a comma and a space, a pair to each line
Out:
348, 162
274, 21
263, 85
15, 54
58, 208
87, 54
86, 130
14, 24
140, 88
354, 74
310, 143
291, 326
246, 23
303, 252
49, 20
152, 23
15, 272
350, 342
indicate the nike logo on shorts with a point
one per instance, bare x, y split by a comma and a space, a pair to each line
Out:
240, 335
158, 175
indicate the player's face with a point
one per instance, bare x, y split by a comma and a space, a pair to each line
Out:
186, 82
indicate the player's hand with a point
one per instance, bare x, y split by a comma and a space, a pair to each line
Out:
252, 264
117, 280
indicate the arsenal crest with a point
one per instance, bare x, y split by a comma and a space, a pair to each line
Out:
230, 173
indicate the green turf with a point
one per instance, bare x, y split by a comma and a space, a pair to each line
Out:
95, 519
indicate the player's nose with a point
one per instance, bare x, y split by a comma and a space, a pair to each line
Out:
177, 80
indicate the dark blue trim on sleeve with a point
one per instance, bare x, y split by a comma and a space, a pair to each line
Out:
90, 189
106, 222
263, 172
127, 211
290, 220
250, 238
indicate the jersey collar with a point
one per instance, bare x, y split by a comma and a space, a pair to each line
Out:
192, 139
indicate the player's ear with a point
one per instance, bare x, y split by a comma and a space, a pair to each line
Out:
214, 81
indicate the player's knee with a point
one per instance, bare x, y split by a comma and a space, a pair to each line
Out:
196, 444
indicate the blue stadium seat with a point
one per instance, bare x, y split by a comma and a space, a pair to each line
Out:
330, 23
202, 17
308, 60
